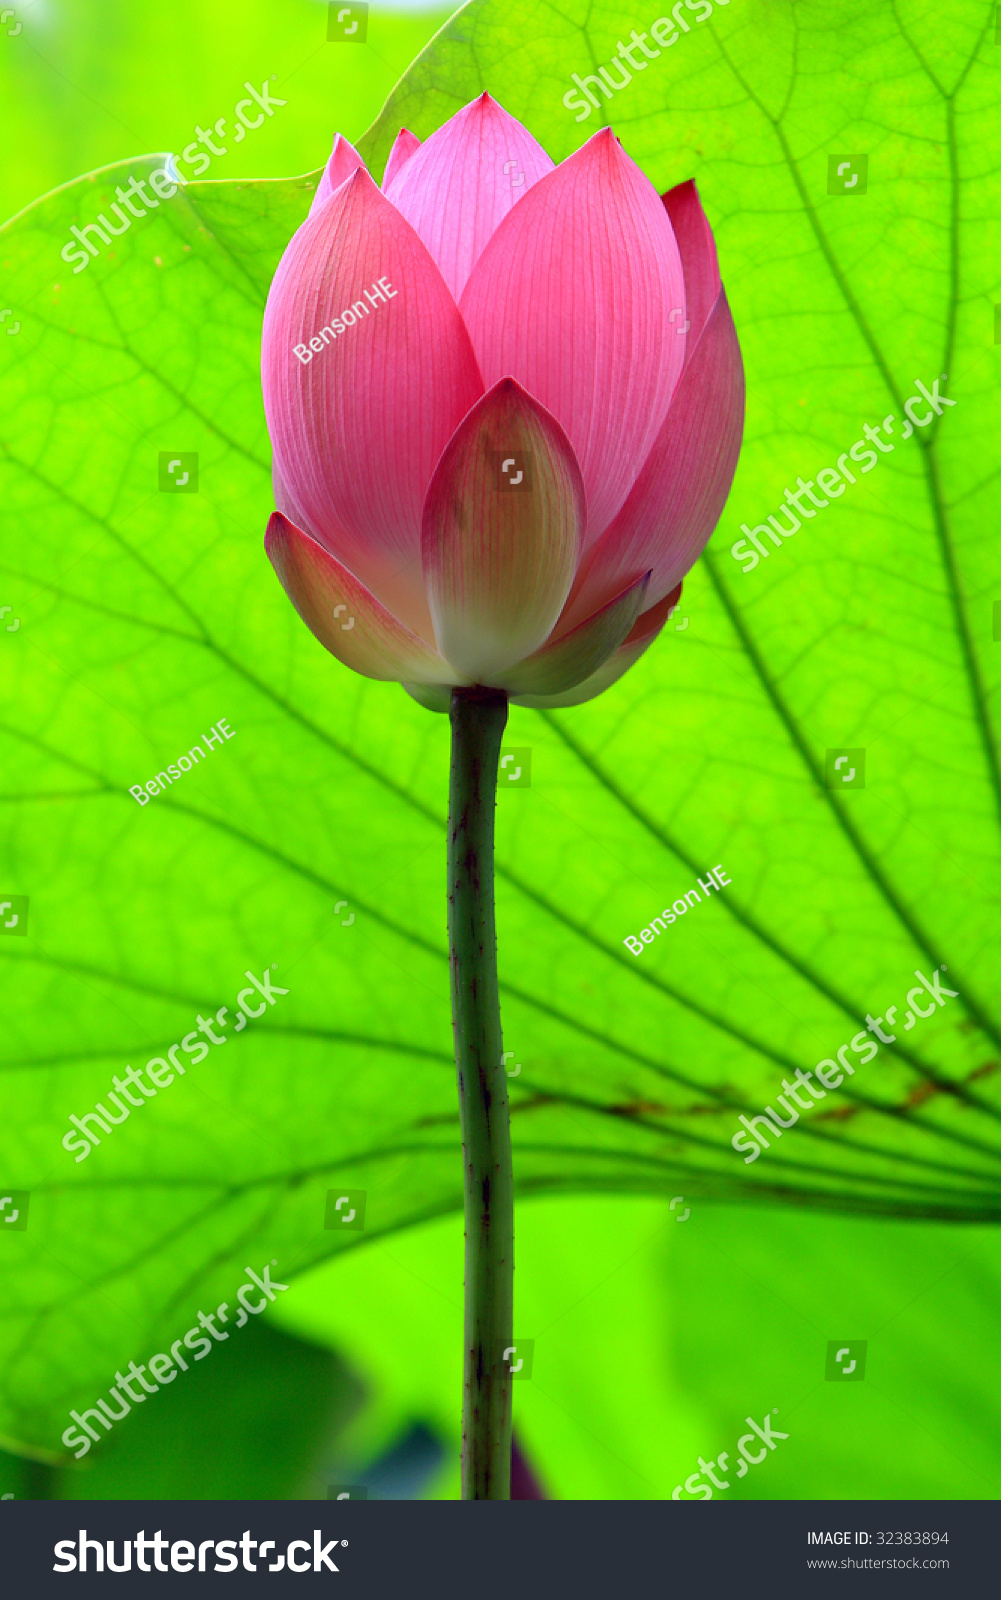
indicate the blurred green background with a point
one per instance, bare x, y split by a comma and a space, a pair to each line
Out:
655, 1336
84, 85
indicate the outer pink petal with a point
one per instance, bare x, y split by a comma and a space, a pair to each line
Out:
404, 146
337, 538
677, 499
285, 502
357, 431
698, 257
573, 296
464, 181
499, 560
343, 615
564, 663
344, 159
642, 636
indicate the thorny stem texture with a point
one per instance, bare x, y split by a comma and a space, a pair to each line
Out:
478, 717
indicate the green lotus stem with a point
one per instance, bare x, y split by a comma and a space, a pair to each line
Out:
478, 717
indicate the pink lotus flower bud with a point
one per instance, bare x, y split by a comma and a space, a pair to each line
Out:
505, 400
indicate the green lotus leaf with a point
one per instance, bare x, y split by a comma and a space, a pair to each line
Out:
307, 849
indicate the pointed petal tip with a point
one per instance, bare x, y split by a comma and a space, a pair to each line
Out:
360, 177
642, 635
341, 162
687, 187
278, 529
534, 305
651, 621
405, 145
697, 245
414, 364
606, 143
498, 565
457, 188
565, 662
682, 487
372, 641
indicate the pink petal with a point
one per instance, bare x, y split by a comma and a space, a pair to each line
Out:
356, 431
564, 663
344, 159
572, 296
677, 499
642, 636
698, 257
285, 502
464, 181
414, 600
499, 560
343, 615
404, 146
